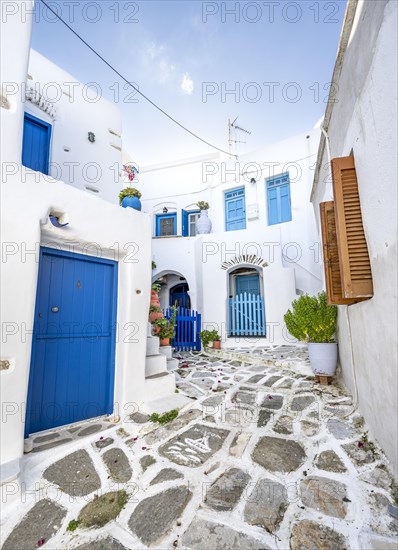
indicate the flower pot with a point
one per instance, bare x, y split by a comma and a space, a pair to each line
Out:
203, 223
153, 315
132, 202
165, 341
323, 358
216, 344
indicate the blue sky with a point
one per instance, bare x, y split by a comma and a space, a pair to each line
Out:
277, 57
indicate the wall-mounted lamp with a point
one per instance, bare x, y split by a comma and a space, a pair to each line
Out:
165, 210
253, 180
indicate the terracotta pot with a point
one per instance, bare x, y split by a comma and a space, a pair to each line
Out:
155, 329
153, 315
155, 302
165, 341
216, 344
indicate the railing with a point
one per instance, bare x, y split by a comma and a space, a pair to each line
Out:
188, 326
246, 315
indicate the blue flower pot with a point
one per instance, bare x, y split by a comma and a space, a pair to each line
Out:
132, 202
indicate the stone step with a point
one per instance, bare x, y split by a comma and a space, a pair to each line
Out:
152, 345
165, 403
155, 364
158, 386
167, 351
172, 364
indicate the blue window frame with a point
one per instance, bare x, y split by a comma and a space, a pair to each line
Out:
36, 144
166, 225
235, 209
189, 218
278, 199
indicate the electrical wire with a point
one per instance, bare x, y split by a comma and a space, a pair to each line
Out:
131, 85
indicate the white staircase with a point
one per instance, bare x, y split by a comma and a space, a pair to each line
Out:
159, 382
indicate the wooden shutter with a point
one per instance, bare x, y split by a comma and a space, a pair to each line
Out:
331, 255
355, 269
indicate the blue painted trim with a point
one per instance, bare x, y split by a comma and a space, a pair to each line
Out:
164, 216
72, 255
234, 195
39, 122
278, 191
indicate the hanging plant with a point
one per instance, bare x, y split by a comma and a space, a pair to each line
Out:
129, 192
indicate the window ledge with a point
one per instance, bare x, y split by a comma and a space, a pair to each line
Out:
167, 237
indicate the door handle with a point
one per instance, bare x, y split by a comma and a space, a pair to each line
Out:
55, 309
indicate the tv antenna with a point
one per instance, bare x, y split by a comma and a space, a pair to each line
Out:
233, 130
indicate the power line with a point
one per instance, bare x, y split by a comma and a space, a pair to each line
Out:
130, 84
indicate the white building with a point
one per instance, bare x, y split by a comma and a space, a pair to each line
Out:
263, 239
360, 220
75, 270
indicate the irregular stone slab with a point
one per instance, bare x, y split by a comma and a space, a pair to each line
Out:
225, 492
190, 390
359, 455
118, 465
271, 381
167, 474
146, 461
102, 544
154, 516
379, 477
309, 535
273, 402
278, 455
325, 495
377, 542
241, 415
42, 521
248, 398
309, 429
50, 445
286, 384
92, 429
212, 401
194, 446
256, 378
284, 425
264, 416
102, 443
204, 374
266, 505
301, 402
103, 509
167, 429
75, 474
206, 534
139, 418
45, 438
330, 461
340, 429
239, 444
380, 521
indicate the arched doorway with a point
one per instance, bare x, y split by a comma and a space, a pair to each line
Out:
246, 312
179, 296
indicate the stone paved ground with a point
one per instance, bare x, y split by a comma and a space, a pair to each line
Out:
262, 458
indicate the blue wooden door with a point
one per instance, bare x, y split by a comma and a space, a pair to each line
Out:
36, 144
73, 351
247, 283
278, 195
235, 211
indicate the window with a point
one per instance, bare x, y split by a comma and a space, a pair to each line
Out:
166, 225
235, 210
278, 199
36, 144
189, 218
348, 271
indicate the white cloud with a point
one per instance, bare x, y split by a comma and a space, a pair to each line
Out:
187, 85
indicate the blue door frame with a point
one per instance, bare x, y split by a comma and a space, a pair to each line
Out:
74, 338
36, 144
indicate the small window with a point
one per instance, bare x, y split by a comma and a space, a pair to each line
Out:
278, 199
235, 210
189, 218
166, 225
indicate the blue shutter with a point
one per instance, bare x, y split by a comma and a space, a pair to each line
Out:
278, 199
247, 283
235, 212
185, 223
36, 144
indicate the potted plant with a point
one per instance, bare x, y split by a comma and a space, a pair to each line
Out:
154, 313
166, 328
203, 223
313, 320
210, 336
130, 197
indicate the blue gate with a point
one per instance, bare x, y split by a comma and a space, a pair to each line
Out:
188, 326
73, 351
246, 316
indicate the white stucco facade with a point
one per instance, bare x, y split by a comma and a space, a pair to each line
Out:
285, 255
363, 121
96, 228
